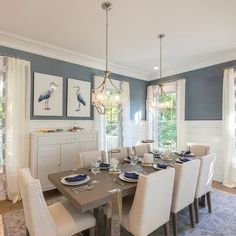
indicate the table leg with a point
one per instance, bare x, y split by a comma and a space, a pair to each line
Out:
99, 215
116, 209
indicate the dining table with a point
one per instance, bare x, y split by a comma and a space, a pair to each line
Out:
95, 198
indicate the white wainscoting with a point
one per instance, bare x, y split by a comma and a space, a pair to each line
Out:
209, 133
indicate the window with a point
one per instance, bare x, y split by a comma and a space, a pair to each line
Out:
113, 125
166, 135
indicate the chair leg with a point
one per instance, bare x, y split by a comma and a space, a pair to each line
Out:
191, 214
196, 209
209, 201
92, 231
174, 221
203, 201
166, 229
27, 232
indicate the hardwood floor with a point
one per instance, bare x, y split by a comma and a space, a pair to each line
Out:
6, 206
221, 187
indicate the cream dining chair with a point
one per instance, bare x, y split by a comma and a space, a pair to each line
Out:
204, 184
86, 158
199, 150
120, 153
150, 208
186, 177
58, 219
141, 149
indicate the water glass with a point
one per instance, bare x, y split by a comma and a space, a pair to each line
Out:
95, 168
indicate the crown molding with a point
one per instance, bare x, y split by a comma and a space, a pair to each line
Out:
15, 41
226, 57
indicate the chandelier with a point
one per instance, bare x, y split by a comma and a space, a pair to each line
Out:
161, 105
101, 96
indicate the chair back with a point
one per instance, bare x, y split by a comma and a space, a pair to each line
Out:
122, 154
86, 158
186, 177
139, 150
206, 173
38, 219
198, 149
152, 202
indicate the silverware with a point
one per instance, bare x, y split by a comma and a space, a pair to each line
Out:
85, 188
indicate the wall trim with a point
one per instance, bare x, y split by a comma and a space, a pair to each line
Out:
214, 60
15, 41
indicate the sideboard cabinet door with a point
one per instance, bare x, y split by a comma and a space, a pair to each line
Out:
69, 155
48, 163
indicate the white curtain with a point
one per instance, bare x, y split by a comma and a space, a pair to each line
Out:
152, 97
180, 114
125, 114
229, 154
15, 118
100, 125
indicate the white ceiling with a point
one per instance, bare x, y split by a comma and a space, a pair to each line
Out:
198, 32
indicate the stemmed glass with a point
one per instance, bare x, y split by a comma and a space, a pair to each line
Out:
134, 160
95, 168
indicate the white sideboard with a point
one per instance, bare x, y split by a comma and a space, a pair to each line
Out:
55, 152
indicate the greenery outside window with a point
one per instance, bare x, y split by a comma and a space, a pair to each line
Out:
166, 134
113, 124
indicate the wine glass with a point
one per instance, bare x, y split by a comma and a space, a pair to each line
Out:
95, 168
134, 160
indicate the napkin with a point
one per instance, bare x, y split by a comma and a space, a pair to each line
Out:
162, 165
104, 165
184, 159
131, 175
75, 178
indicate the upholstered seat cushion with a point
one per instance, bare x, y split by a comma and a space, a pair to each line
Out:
68, 219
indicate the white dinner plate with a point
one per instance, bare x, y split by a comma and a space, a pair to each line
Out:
122, 177
159, 168
178, 160
74, 183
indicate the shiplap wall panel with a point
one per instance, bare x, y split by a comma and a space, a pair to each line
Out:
208, 133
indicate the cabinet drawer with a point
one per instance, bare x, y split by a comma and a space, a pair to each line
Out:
53, 140
83, 138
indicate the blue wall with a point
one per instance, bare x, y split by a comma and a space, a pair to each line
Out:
204, 88
65, 69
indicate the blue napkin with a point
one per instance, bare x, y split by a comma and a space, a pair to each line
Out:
131, 175
162, 165
104, 165
184, 159
76, 178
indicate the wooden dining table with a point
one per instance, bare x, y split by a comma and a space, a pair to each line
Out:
100, 194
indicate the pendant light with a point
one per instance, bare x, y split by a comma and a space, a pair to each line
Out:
101, 97
161, 105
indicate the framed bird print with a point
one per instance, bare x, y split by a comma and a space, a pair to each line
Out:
78, 98
48, 95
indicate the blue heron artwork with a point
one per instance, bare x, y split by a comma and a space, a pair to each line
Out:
80, 98
47, 95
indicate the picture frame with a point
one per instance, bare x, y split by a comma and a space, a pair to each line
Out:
48, 95
78, 98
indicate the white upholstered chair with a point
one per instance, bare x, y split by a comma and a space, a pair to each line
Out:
186, 177
122, 153
86, 158
199, 150
151, 205
141, 149
204, 184
58, 219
